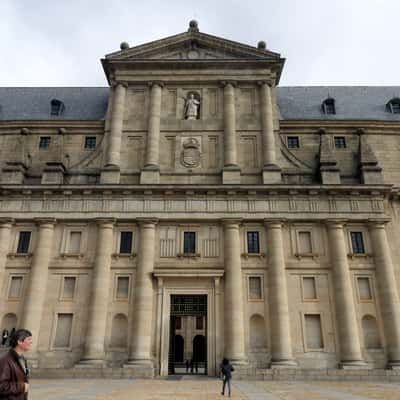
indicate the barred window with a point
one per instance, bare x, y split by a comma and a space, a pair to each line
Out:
340, 142
199, 322
178, 323
90, 142
253, 242
189, 242
293, 142
44, 142
357, 242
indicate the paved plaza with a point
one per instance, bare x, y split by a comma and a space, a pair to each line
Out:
208, 389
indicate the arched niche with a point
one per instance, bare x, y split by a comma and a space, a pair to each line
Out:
119, 331
371, 333
257, 333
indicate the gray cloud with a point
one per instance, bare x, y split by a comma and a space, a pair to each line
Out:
353, 42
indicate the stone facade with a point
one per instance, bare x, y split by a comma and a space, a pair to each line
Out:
289, 226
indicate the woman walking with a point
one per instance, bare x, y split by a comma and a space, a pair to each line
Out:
226, 371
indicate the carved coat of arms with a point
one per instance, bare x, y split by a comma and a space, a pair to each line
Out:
190, 155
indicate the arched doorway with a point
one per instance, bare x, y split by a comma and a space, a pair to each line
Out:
199, 348
178, 348
9, 321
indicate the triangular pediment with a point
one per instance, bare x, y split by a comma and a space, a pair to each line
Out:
193, 46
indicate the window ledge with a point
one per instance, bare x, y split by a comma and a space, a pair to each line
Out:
359, 255
254, 255
72, 255
306, 255
124, 255
188, 255
19, 255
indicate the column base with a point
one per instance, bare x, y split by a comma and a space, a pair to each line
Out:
90, 364
110, 175
140, 368
231, 175
393, 365
283, 364
271, 174
354, 365
150, 175
53, 173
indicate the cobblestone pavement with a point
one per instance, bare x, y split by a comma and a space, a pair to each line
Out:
208, 389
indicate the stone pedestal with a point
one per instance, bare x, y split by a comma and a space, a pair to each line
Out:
330, 175
110, 175
231, 176
150, 175
14, 173
271, 174
53, 173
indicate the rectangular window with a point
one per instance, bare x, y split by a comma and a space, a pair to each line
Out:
314, 338
199, 322
364, 288
63, 331
293, 142
15, 287
189, 242
178, 323
23, 242
125, 245
122, 287
340, 142
90, 142
68, 287
357, 242
74, 246
253, 242
309, 289
305, 242
44, 142
255, 291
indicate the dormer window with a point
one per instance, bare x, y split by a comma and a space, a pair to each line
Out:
393, 105
57, 107
328, 106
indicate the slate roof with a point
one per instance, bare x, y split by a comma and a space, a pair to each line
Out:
295, 103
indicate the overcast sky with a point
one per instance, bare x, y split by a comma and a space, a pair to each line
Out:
325, 42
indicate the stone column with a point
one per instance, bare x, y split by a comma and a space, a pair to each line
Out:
271, 172
151, 171
349, 339
234, 321
281, 343
98, 306
231, 171
37, 286
5, 234
110, 173
388, 295
140, 349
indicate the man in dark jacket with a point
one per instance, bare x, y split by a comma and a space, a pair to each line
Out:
14, 369
226, 372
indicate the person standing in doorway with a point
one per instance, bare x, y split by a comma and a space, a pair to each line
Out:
4, 337
226, 372
14, 370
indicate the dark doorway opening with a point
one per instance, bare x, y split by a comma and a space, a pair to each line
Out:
188, 335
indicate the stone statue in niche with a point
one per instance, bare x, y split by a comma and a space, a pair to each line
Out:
190, 156
192, 107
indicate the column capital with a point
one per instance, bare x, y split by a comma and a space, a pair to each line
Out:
6, 222
378, 222
147, 222
226, 83
274, 223
155, 83
105, 222
231, 222
262, 83
45, 222
114, 84
335, 223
